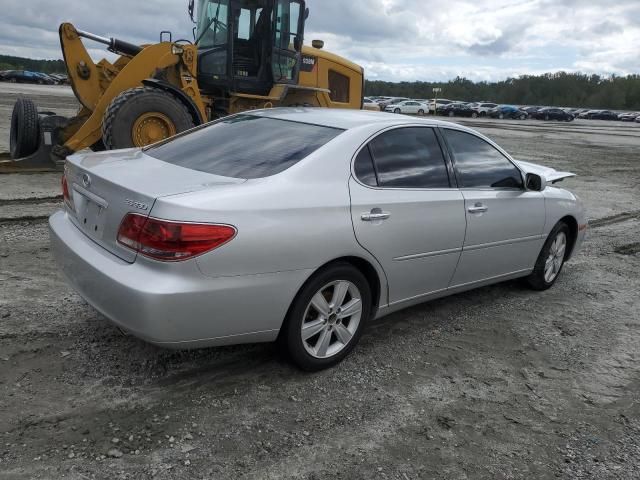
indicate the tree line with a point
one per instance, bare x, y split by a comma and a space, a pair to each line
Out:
558, 89
8, 62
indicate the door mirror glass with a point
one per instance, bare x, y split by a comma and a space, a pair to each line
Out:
535, 183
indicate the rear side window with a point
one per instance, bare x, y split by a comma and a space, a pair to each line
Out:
244, 146
479, 164
409, 157
363, 168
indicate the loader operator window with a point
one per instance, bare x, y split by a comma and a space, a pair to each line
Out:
212, 24
287, 38
339, 86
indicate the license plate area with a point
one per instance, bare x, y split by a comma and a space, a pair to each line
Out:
90, 213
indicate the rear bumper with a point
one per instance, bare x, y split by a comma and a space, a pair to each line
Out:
173, 304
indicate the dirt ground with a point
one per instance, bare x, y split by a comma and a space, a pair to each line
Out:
497, 383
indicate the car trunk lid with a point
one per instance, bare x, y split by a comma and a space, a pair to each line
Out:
104, 187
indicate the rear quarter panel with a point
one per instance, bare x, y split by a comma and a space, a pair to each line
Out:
297, 220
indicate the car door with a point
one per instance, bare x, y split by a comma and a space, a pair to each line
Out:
505, 222
405, 212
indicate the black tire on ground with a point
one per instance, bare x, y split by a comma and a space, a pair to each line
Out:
523, 117
501, 116
397, 110
421, 112
536, 279
24, 136
127, 107
474, 115
290, 339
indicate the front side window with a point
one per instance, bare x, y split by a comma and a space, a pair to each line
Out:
244, 146
212, 23
479, 164
409, 157
339, 86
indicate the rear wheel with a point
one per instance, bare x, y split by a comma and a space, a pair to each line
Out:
142, 116
24, 135
551, 258
474, 115
397, 110
421, 112
327, 317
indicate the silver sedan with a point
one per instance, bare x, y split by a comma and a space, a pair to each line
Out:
302, 225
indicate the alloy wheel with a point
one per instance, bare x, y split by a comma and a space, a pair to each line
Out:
331, 319
555, 259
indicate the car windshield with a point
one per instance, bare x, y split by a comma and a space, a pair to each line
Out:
244, 146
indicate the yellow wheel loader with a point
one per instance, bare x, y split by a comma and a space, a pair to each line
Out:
246, 54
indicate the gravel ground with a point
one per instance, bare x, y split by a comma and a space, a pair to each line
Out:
496, 383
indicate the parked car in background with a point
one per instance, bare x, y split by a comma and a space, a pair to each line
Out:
507, 111
435, 103
391, 100
459, 109
369, 104
407, 106
46, 78
25, 76
531, 110
201, 258
481, 108
552, 113
599, 115
629, 117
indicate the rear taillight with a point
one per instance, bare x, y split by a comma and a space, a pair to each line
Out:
171, 241
65, 192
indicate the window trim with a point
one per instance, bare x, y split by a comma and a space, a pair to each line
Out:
494, 145
443, 148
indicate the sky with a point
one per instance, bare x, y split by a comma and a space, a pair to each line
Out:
396, 40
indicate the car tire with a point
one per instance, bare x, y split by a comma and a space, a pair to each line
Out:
123, 119
12, 80
397, 110
24, 134
522, 117
451, 114
474, 115
546, 117
501, 116
551, 258
421, 112
330, 338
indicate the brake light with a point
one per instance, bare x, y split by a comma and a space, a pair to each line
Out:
65, 192
171, 241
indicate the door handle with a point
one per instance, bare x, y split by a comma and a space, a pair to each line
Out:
478, 208
372, 217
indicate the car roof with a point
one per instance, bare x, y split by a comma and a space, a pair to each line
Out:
343, 118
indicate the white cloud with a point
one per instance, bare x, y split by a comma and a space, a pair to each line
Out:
393, 39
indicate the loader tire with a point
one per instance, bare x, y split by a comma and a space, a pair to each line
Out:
142, 116
24, 136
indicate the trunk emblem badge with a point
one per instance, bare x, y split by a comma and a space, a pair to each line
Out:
86, 180
134, 204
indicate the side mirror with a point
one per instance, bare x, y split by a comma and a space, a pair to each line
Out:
306, 13
296, 43
535, 183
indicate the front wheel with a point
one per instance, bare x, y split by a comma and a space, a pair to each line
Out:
327, 317
551, 259
474, 115
397, 110
141, 116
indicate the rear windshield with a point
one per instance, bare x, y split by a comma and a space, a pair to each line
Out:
244, 146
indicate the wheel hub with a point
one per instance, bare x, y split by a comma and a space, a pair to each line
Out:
151, 127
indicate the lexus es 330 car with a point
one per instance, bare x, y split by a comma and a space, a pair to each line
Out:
302, 225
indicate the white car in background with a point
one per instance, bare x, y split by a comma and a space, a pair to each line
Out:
369, 104
482, 108
408, 106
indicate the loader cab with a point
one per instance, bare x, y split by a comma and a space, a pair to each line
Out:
246, 46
